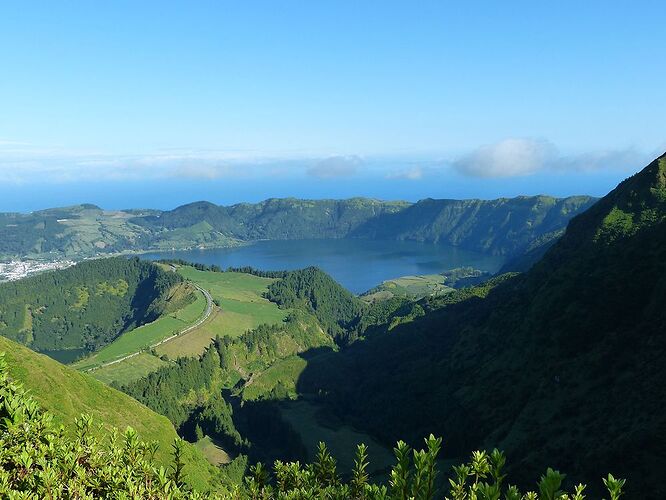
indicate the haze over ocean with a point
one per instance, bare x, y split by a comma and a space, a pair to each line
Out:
156, 104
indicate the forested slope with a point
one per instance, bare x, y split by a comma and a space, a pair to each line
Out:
506, 226
41, 460
220, 393
335, 307
562, 365
501, 227
286, 218
85, 306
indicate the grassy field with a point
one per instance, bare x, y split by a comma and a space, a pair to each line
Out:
414, 287
213, 453
341, 441
129, 369
283, 373
242, 308
79, 393
146, 335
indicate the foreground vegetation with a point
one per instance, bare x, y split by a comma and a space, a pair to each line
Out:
38, 460
66, 394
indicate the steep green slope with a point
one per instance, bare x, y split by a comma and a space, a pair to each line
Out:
226, 389
39, 460
334, 306
287, 218
562, 365
66, 394
502, 227
506, 226
86, 306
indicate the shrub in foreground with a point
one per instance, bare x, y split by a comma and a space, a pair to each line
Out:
412, 478
39, 460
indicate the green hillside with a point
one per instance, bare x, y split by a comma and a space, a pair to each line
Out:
41, 460
334, 306
561, 365
144, 336
506, 227
66, 394
86, 306
287, 218
239, 307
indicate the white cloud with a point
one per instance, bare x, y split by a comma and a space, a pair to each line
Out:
507, 158
412, 174
519, 157
25, 163
334, 167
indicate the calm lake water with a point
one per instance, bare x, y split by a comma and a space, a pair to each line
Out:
357, 264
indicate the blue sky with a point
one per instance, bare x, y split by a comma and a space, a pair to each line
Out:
160, 103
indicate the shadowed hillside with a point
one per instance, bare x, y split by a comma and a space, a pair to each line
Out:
561, 366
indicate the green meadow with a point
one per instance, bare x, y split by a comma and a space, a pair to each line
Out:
144, 336
214, 453
129, 369
281, 375
241, 308
414, 287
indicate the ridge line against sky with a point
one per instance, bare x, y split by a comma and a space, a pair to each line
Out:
162, 103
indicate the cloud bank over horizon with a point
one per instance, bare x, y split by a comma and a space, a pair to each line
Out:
22, 162
516, 157
334, 167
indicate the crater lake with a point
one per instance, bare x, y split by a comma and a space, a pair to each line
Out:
357, 264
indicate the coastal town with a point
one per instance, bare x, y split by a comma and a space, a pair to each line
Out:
17, 269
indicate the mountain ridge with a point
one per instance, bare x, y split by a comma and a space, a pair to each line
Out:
83, 231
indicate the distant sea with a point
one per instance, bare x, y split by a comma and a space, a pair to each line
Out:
357, 264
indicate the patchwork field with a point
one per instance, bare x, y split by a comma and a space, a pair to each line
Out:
409, 286
241, 308
129, 369
146, 335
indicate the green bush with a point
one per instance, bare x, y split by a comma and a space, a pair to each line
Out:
412, 478
38, 460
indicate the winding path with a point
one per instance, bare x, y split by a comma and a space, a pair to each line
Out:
197, 324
